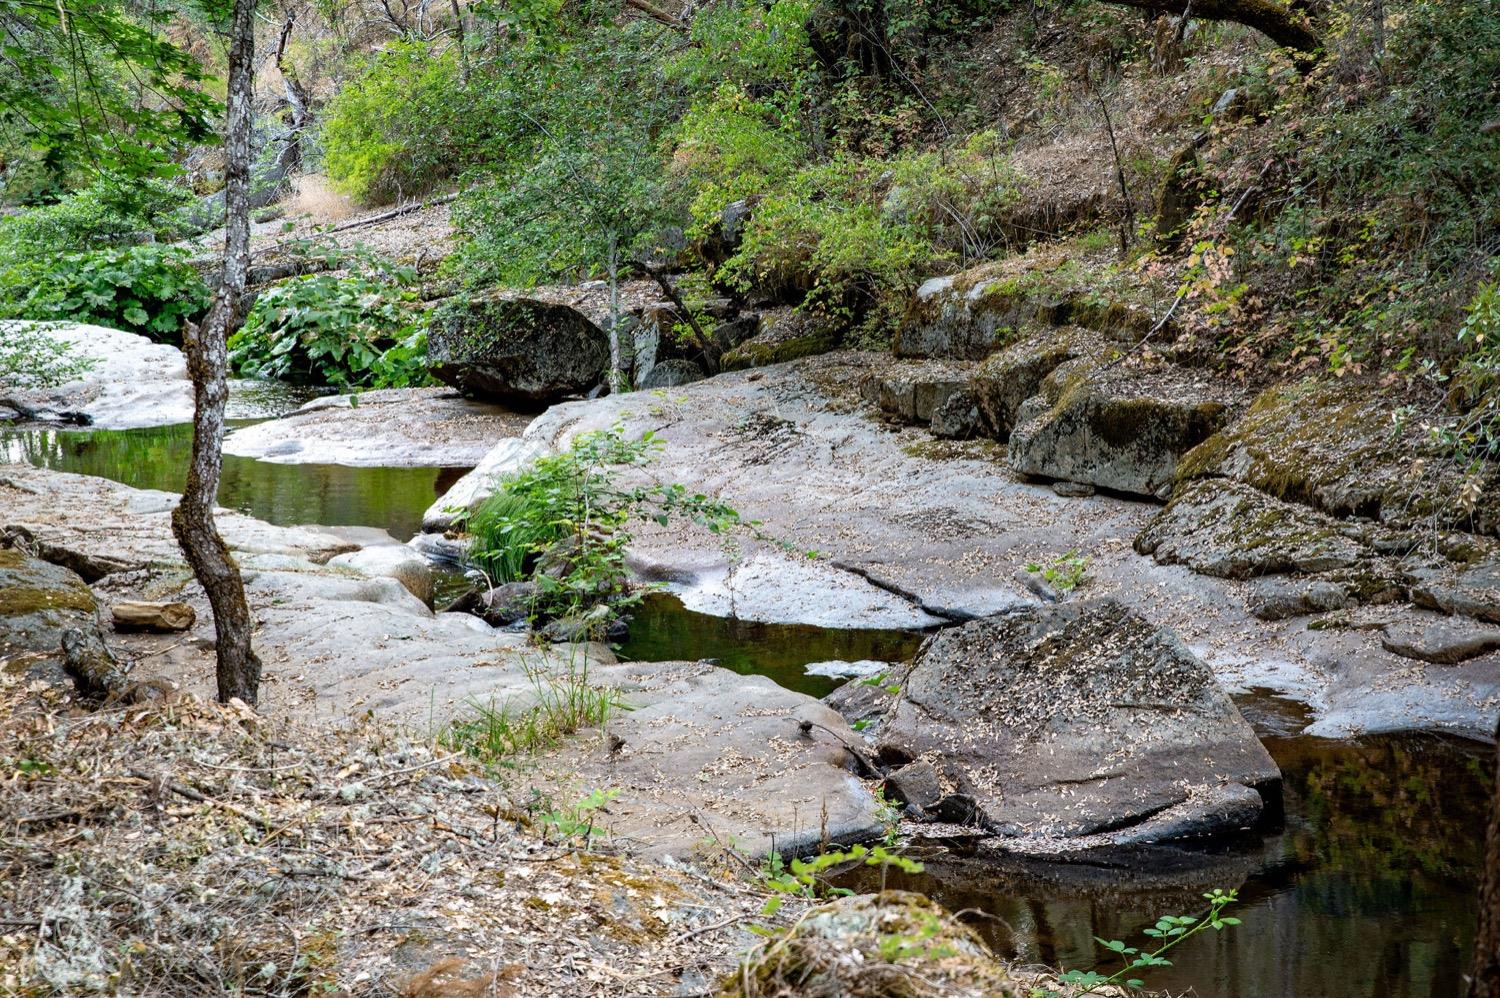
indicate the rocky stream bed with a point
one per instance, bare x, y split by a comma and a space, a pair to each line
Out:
1211, 708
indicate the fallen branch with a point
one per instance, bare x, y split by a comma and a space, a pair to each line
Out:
183, 790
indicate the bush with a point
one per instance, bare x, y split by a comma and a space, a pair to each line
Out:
326, 329
824, 234
406, 125
29, 358
150, 290
108, 211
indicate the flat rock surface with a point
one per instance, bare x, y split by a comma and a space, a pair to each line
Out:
1070, 720
1441, 640
946, 526
133, 382
390, 428
706, 757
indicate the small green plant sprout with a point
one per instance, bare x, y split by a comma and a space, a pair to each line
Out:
1064, 573
1168, 931
576, 822
804, 878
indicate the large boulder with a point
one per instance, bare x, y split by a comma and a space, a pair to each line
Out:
1006, 379
130, 381
1117, 427
963, 317
1221, 527
1338, 447
517, 350
49, 625
1072, 719
785, 334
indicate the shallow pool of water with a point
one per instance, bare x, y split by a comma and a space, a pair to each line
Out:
285, 494
1368, 889
663, 630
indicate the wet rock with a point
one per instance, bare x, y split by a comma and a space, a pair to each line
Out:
916, 784
1441, 640
1277, 598
1005, 380
134, 615
785, 335
132, 382
598, 624
395, 561
1208, 812
839, 669
507, 604
1334, 446
671, 373
957, 417
843, 948
1224, 528
1119, 428
1070, 719
518, 350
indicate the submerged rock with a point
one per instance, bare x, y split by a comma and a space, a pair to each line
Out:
1072, 719
1117, 427
517, 350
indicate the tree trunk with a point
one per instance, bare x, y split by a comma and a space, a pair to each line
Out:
204, 344
1282, 25
616, 335
1486, 982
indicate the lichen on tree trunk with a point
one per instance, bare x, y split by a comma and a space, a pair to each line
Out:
207, 361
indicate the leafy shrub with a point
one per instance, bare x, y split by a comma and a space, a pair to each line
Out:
574, 496
732, 147
106, 212
407, 124
824, 233
29, 358
325, 329
141, 289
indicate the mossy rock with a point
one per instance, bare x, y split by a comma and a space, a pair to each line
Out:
785, 335
1334, 446
39, 601
516, 350
1118, 428
1230, 530
894, 944
1005, 380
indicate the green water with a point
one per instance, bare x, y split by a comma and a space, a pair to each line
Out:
662, 630
285, 494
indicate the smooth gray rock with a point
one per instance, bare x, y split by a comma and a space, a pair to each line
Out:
1118, 428
395, 561
132, 382
1471, 590
517, 350
1070, 719
916, 783
1278, 597
1221, 527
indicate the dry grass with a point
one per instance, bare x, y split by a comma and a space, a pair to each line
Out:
315, 197
186, 848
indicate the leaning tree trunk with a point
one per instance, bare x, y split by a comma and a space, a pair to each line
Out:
193, 519
1486, 982
1284, 25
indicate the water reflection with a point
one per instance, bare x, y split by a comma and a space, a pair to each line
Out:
286, 494
663, 630
1368, 890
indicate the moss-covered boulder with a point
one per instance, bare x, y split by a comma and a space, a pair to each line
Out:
961, 317
516, 350
785, 334
895, 944
1337, 447
1005, 380
1118, 427
41, 603
1070, 719
1228, 529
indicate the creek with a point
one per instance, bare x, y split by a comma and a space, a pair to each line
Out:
1367, 888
